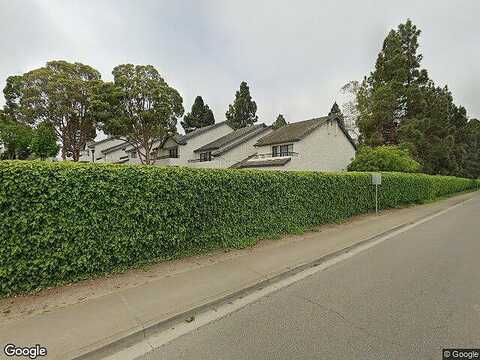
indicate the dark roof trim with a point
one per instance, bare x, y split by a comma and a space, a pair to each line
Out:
242, 140
263, 163
182, 139
292, 132
276, 137
95, 143
230, 138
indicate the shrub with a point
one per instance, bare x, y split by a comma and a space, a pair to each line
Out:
384, 158
62, 222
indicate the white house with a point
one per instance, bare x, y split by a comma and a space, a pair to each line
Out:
95, 151
230, 148
319, 144
179, 150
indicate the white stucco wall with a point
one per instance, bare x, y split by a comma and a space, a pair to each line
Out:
240, 152
99, 146
325, 149
185, 152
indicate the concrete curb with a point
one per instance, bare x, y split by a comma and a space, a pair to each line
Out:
137, 336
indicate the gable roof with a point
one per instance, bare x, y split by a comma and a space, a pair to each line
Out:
232, 139
296, 131
182, 139
110, 149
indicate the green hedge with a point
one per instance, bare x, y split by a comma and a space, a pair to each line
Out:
62, 222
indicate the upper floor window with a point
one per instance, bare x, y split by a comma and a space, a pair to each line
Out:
282, 150
206, 156
173, 153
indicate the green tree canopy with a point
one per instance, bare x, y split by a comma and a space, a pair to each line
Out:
200, 116
60, 93
392, 92
44, 141
399, 105
384, 158
16, 139
139, 107
335, 111
243, 111
279, 122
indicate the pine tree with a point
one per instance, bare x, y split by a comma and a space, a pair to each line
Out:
335, 111
279, 122
200, 116
393, 91
242, 112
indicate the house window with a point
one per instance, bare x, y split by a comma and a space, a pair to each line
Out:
282, 150
206, 156
133, 154
173, 153
275, 151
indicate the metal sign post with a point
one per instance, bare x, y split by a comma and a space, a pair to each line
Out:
376, 180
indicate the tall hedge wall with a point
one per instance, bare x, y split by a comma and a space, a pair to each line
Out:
61, 222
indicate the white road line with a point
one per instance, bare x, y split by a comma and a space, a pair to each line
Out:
206, 317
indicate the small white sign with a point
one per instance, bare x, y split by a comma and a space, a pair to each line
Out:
377, 179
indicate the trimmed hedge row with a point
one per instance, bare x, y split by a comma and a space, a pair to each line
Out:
61, 222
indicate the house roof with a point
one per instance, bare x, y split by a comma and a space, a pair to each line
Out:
92, 144
115, 147
296, 131
182, 139
232, 139
262, 163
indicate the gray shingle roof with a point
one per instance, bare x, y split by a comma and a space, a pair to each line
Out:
115, 147
292, 132
296, 131
234, 138
182, 139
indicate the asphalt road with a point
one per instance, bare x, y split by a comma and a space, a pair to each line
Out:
406, 298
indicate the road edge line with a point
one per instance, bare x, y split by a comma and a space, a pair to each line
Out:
137, 337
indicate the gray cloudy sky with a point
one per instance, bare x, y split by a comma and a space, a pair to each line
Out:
295, 55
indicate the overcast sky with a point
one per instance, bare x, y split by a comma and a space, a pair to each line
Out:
295, 56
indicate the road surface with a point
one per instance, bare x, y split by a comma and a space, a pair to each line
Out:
405, 298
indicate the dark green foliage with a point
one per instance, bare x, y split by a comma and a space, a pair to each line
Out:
60, 93
139, 107
384, 158
200, 116
44, 142
335, 111
63, 222
243, 111
279, 122
392, 92
472, 156
399, 105
16, 138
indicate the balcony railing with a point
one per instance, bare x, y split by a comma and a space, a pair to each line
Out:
272, 156
166, 157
